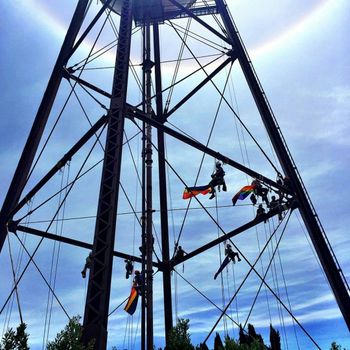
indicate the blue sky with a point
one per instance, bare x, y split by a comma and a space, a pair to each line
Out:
300, 52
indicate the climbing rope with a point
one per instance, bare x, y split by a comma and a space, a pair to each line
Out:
286, 288
276, 288
177, 66
53, 255
220, 259
18, 265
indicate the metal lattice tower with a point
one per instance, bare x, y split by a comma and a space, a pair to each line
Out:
149, 16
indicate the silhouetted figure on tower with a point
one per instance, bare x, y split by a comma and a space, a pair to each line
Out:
275, 207
180, 253
217, 180
138, 282
128, 268
260, 191
260, 213
230, 255
88, 264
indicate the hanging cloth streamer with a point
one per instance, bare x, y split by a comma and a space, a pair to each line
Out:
243, 193
131, 305
190, 192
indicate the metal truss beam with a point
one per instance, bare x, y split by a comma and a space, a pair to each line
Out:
198, 87
227, 236
199, 20
136, 113
13, 227
70, 75
98, 294
168, 313
89, 27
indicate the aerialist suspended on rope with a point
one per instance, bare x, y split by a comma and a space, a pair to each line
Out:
138, 282
88, 263
128, 268
260, 213
230, 255
276, 207
260, 191
216, 181
179, 254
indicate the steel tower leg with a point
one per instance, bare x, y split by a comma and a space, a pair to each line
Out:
306, 210
168, 314
24, 165
98, 295
147, 66
143, 218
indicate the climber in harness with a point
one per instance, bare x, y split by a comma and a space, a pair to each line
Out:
138, 282
230, 255
260, 191
217, 179
88, 264
287, 184
142, 248
128, 268
180, 253
260, 213
275, 207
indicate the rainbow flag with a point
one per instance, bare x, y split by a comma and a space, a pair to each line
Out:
193, 191
243, 193
131, 305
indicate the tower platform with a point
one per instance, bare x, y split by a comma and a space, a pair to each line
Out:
162, 10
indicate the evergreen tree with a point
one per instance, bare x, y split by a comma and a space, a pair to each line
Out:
275, 339
243, 338
335, 346
15, 340
70, 337
218, 345
253, 335
179, 338
231, 344
202, 347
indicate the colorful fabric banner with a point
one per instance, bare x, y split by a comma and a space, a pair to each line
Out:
193, 191
243, 193
131, 305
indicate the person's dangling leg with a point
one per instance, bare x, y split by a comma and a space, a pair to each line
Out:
223, 265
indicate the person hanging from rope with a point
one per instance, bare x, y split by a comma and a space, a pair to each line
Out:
230, 255
142, 248
128, 268
179, 253
88, 264
253, 199
275, 207
280, 192
217, 180
138, 282
287, 184
260, 213
260, 191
